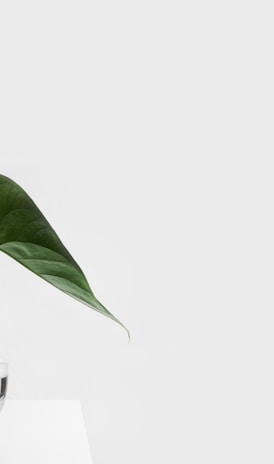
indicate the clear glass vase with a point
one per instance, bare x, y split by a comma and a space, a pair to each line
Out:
3, 382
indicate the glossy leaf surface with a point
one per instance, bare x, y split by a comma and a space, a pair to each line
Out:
27, 236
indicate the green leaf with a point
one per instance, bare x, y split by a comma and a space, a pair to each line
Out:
27, 236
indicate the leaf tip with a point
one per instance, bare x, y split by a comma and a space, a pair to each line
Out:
126, 329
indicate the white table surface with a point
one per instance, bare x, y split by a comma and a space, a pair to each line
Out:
43, 432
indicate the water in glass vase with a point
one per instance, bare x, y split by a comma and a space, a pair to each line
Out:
3, 382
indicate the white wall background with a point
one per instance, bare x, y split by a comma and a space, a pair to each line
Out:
144, 132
